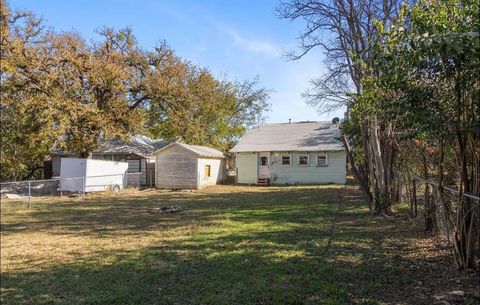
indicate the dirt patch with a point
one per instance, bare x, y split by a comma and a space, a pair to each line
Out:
165, 210
426, 270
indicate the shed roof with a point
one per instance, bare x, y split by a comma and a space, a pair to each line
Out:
200, 151
138, 144
295, 136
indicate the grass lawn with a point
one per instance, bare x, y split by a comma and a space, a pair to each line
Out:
229, 245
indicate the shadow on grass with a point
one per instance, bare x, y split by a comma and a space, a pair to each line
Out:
105, 216
285, 246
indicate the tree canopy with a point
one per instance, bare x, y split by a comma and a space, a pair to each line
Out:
59, 91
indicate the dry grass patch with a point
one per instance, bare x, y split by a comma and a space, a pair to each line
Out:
228, 245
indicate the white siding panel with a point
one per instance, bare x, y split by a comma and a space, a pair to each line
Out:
176, 169
217, 171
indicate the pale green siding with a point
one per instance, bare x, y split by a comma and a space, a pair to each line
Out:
335, 172
246, 164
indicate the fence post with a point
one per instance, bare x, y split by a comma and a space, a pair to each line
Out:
84, 186
410, 197
400, 188
397, 191
415, 197
29, 195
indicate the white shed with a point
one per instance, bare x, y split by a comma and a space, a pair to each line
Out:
183, 166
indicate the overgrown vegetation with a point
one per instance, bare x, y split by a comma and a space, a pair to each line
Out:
59, 91
229, 245
430, 94
410, 83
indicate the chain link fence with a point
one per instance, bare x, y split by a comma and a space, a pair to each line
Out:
75, 186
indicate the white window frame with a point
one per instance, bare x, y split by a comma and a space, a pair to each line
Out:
289, 158
326, 160
209, 171
308, 160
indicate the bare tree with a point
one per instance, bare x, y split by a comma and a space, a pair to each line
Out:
347, 31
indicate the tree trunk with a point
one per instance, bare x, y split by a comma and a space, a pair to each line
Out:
429, 208
387, 157
465, 229
357, 171
32, 172
379, 176
87, 155
444, 226
465, 226
372, 180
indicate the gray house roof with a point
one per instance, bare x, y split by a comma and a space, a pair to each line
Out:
295, 136
138, 144
200, 151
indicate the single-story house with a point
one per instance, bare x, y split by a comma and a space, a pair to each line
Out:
137, 153
291, 153
183, 166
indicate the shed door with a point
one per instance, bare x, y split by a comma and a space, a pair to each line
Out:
263, 165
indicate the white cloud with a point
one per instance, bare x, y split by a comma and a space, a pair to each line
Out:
257, 46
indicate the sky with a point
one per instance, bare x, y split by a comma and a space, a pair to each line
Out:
235, 40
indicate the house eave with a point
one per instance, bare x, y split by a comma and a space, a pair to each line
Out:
179, 145
67, 153
287, 150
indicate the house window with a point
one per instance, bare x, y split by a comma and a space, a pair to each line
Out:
286, 160
208, 171
303, 160
134, 165
322, 160
263, 161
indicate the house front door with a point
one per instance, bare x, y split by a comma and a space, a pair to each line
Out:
264, 165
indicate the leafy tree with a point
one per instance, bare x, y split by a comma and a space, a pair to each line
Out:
202, 110
28, 109
426, 81
56, 91
103, 83
60, 91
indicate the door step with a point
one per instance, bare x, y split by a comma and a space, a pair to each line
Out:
263, 182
